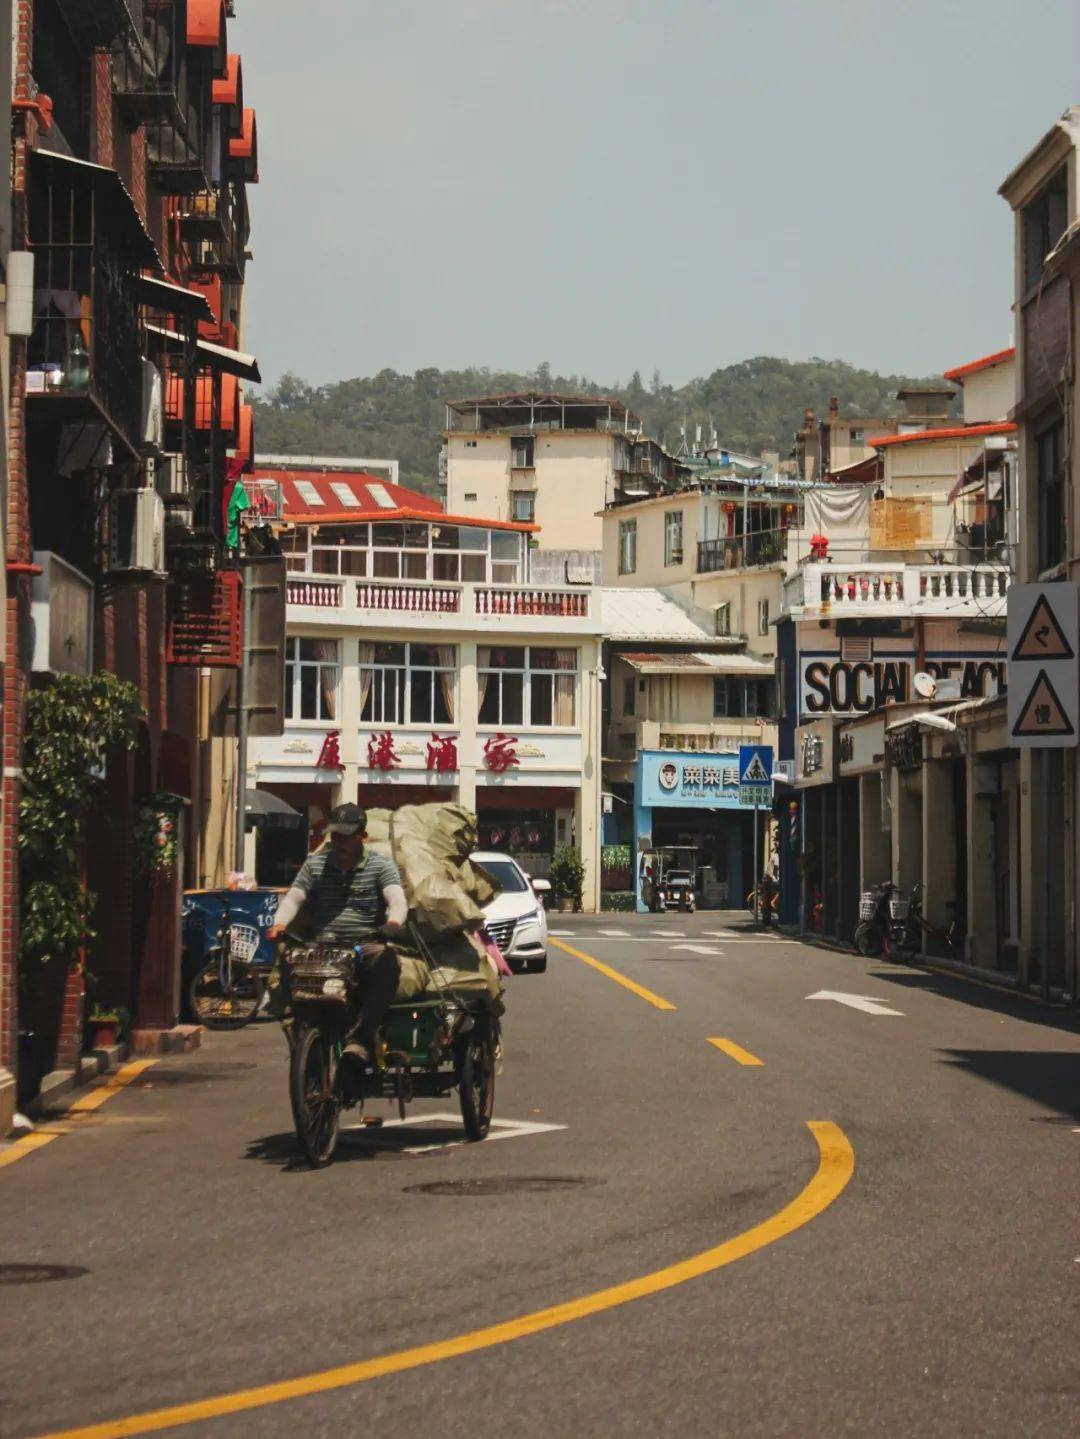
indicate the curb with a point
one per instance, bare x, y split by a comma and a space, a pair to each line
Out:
61, 1082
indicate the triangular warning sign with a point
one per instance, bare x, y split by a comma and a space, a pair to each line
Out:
1042, 637
1042, 712
755, 772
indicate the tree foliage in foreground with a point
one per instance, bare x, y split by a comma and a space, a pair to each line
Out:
755, 405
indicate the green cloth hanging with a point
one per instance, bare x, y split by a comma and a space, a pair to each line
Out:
239, 501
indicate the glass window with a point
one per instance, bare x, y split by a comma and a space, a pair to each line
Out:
763, 617
505, 545
312, 677
407, 684
729, 697
629, 692
627, 547
472, 538
524, 505
673, 550
544, 689
506, 875
446, 568
474, 568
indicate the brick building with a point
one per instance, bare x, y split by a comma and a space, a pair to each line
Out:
132, 150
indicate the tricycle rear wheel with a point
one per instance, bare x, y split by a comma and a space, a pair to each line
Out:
316, 1104
476, 1082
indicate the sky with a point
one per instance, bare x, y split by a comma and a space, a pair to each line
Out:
620, 185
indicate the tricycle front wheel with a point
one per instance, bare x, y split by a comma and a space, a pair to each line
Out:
476, 1082
316, 1104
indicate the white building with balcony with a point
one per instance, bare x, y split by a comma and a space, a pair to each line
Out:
422, 665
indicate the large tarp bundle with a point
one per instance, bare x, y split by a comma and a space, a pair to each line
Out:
431, 845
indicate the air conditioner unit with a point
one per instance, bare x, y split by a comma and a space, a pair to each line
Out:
137, 531
152, 414
171, 478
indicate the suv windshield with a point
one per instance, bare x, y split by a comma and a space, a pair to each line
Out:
506, 875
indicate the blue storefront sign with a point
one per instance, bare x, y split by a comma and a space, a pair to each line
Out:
683, 779
670, 778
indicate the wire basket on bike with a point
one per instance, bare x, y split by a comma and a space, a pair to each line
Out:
243, 941
899, 908
867, 906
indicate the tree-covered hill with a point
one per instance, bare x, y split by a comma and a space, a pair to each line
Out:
754, 405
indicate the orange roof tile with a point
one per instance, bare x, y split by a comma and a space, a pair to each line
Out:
952, 432
999, 357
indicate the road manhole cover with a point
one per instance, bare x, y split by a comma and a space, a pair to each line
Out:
39, 1273
488, 1188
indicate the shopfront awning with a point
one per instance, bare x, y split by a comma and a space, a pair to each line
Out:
121, 219
748, 666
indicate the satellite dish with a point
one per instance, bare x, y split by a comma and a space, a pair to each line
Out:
925, 685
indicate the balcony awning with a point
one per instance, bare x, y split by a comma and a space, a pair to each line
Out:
204, 402
229, 93
128, 232
245, 148
219, 357
172, 299
206, 30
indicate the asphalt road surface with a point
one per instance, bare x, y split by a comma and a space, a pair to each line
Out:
930, 1289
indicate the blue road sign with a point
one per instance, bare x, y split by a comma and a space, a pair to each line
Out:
755, 773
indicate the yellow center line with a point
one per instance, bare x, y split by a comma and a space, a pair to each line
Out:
736, 1051
836, 1164
638, 989
92, 1099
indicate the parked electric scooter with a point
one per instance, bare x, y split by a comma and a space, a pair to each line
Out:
872, 934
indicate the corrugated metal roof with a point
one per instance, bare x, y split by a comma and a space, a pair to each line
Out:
647, 614
313, 496
700, 663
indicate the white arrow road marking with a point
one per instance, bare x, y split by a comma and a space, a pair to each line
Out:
667, 934
500, 1129
866, 1002
698, 948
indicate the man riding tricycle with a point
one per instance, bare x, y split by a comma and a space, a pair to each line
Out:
669, 879
371, 1008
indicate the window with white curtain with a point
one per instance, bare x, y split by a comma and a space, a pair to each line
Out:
407, 684
535, 685
312, 678
673, 550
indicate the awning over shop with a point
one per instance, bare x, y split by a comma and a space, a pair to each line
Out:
229, 93
749, 666
127, 231
246, 147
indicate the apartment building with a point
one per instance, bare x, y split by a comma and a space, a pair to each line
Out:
132, 151
551, 460
722, 547
898, 612
422, 664
1043, 192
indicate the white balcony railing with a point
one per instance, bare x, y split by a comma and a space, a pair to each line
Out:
471, 601
869, 588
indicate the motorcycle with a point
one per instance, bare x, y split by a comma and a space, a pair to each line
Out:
872, 931
429, 1046
888, 923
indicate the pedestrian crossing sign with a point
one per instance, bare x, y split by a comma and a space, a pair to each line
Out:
755, 774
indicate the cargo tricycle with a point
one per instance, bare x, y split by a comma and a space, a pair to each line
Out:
444, 1038
669, 879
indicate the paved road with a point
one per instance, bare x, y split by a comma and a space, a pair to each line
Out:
935, 1293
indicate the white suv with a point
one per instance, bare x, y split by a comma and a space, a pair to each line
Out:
515, 918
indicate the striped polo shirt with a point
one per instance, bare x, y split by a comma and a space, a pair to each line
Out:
346, 906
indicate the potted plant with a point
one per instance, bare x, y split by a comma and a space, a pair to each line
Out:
568, 877
106, 1026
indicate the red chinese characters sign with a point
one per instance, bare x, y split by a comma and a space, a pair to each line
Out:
330, 754
442, 752
500, 752
380, 751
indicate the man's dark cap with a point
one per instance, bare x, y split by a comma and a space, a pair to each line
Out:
347, 819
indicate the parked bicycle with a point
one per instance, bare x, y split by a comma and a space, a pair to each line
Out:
227, 992
893, 925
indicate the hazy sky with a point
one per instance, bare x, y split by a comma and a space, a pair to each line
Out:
614, 185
